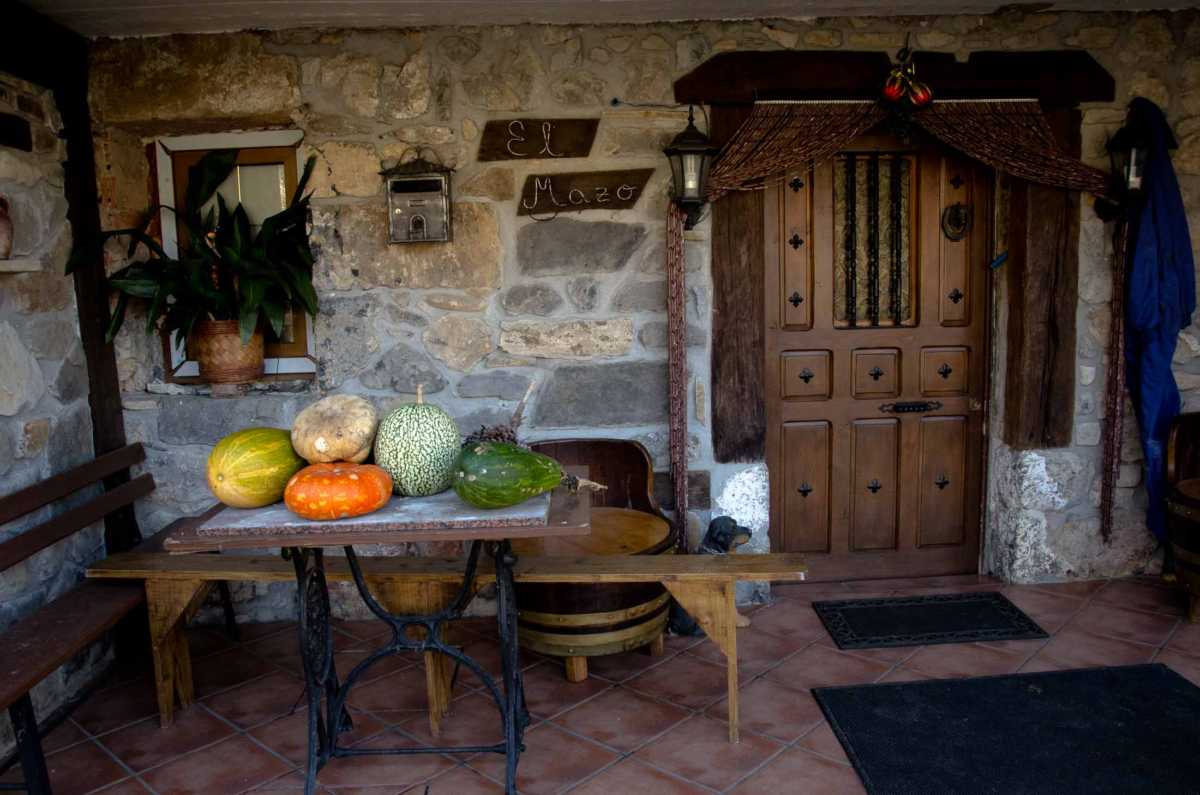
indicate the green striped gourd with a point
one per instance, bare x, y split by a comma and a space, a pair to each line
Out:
250, 468
500, 474
417, 444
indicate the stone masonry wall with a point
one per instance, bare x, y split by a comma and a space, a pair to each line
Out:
576, 303
45, 422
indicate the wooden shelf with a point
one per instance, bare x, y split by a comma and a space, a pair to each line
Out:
20, 265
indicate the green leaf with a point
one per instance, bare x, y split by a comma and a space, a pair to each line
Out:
117, 318
207, 175
138, 288
275, 312
247, 322
303, 183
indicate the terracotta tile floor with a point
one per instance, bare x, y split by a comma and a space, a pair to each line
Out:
639, 724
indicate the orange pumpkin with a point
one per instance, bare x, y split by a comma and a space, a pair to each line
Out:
337, 491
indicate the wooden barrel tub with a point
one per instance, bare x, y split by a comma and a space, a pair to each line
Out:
577, 621
1183, 523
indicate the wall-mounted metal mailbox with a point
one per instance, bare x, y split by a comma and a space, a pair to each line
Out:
418, 202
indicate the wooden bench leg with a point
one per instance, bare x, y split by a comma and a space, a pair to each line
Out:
658, 646
575, 669
171, 603
29, 746
424, 598
712, 605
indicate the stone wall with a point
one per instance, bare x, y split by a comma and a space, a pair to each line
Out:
575, 303
45, 422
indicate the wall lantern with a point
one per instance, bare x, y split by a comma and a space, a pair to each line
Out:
690, 154
418, 202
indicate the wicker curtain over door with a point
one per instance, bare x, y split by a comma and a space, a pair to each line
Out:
779, 136
1009, 135
1012, 136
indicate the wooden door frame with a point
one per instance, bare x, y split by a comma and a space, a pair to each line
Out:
890, 563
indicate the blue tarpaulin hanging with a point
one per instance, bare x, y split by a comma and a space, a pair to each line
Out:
1161, 297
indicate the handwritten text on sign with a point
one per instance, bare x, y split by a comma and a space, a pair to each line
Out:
546, 194
537, 139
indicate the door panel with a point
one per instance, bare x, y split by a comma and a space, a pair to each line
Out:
876, 379
941, 518
805, 375
795, 289
876, 373
806, 490
874, 489
944, 371
954, 293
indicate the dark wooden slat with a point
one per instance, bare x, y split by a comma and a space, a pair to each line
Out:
738, 342
37, 645
49, 532
583, 568
44, 52
47, 491
742, 77
1043, 277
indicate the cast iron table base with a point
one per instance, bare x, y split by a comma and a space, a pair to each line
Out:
324, 688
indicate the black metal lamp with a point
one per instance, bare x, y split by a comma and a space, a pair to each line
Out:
690, 154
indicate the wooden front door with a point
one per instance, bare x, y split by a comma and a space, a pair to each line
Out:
876, 345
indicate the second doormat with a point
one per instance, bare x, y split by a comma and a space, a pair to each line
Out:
924, 620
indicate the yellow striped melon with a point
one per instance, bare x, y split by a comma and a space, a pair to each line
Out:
250, 468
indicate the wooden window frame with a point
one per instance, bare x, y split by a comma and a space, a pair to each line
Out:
283, 360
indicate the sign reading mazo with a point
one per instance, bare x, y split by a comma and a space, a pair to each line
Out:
546, 194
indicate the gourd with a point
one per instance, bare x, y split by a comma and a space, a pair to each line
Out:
417, 444
250, 468
335, 428
337, 491
501, 474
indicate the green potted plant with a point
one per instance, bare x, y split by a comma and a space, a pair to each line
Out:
227, 284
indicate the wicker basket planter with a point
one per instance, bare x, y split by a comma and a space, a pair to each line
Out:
223, 358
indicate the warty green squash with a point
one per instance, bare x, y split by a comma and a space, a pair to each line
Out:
418, 444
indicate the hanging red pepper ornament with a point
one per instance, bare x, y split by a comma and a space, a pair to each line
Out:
902, 82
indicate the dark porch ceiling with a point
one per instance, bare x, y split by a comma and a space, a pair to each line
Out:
149, 17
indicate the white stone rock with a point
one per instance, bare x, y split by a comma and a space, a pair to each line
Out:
21, 381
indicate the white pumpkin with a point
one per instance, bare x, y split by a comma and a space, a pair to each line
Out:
335, 428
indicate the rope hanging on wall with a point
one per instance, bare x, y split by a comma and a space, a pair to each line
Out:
677, 370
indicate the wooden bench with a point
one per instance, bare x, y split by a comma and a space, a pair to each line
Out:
703, 584
38, 644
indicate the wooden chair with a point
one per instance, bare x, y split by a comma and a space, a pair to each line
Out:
575, 621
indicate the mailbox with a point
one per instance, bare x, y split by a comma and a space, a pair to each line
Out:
418, 202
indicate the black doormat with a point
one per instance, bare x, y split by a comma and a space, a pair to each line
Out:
922, 620
1128, 729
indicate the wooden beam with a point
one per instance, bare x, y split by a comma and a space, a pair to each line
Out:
744, 77
1042, 274
41, 51
775, 567
739, 413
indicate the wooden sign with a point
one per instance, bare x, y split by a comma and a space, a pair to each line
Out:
537, 139
582, 190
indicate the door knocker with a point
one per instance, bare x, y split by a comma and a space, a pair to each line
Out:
956, 221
